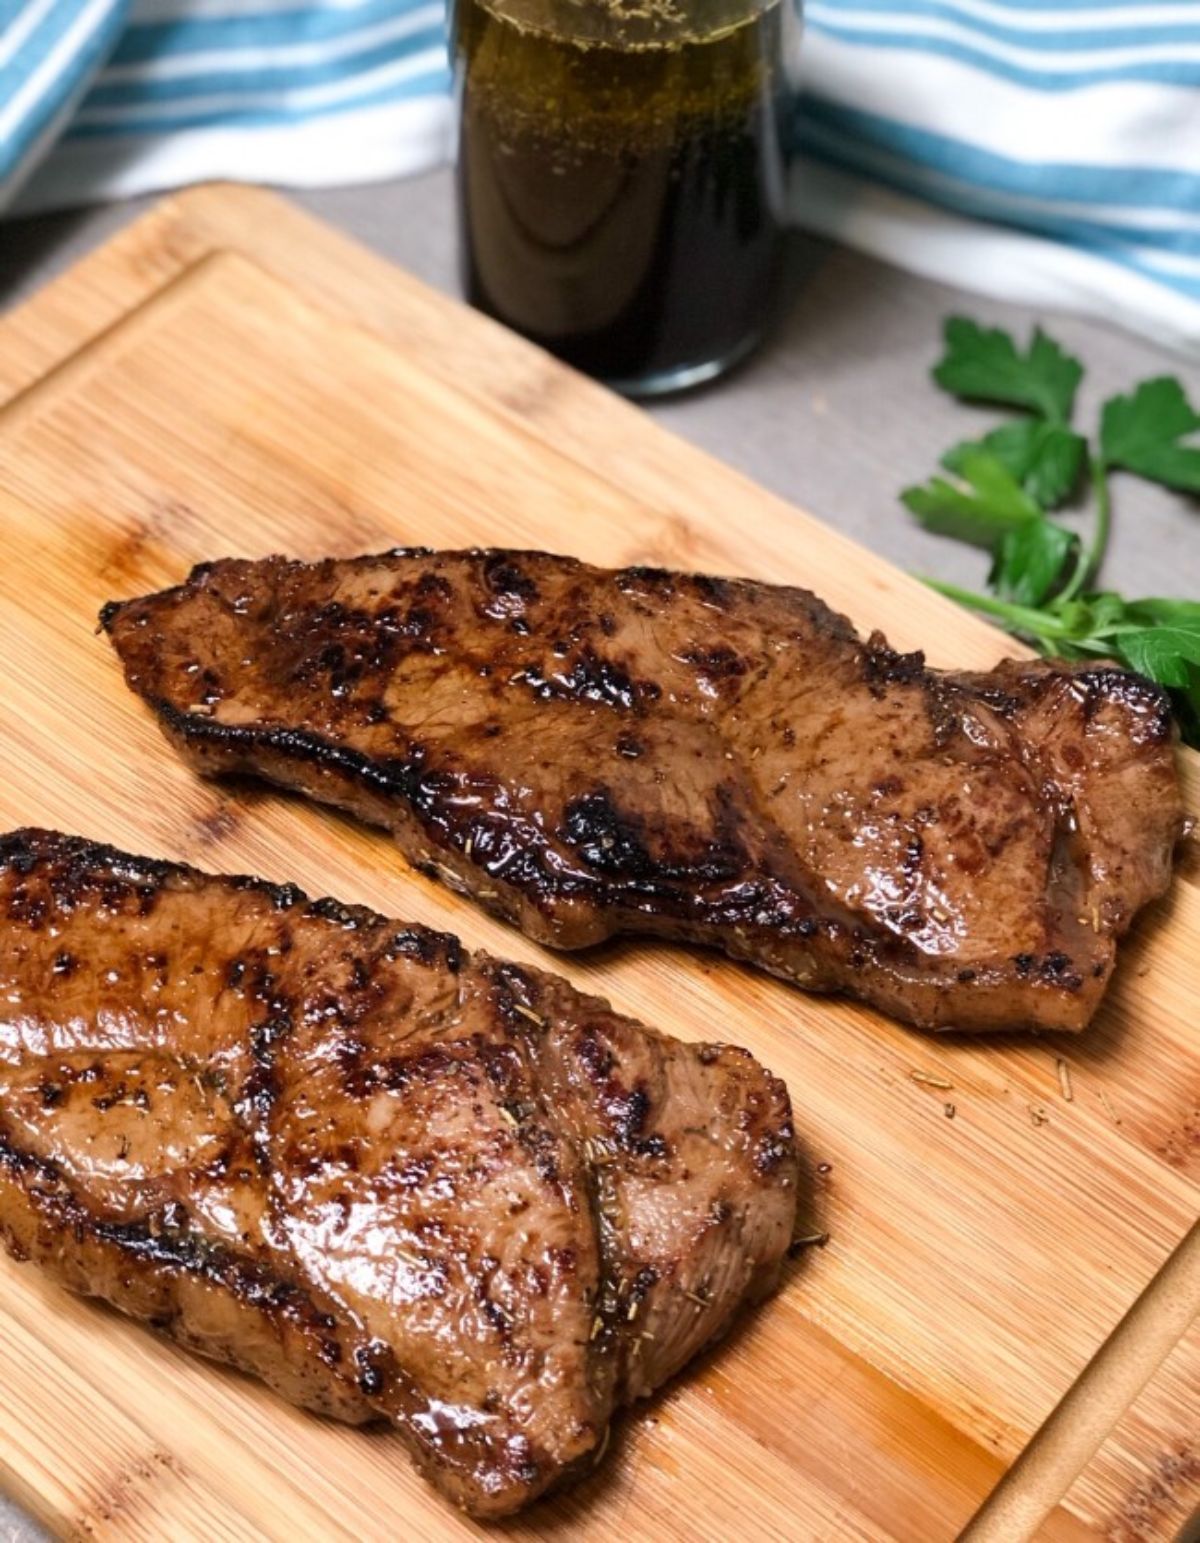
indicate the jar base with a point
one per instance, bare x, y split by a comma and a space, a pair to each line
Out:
683, 377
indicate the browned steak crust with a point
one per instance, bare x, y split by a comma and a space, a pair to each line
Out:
592, 752
388, 1177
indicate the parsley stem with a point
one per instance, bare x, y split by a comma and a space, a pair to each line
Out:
1033, 624
1103, 517
1087, 564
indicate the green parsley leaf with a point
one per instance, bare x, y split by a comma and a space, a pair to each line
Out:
1099, 614
1045, 458
1142, 433
1030, 561
1165, 654
985, 365
982, 509
1166, 649
1003, 484
1172, 613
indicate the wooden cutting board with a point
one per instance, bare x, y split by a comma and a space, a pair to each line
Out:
229, 377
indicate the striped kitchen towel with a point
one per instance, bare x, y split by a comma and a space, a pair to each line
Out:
1041, 150
185, 90
1071, 126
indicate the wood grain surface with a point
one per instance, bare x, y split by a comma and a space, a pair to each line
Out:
253, 383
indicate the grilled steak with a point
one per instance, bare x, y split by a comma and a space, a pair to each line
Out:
593, 752
390, 1178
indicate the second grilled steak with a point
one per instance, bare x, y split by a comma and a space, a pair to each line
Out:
390, 1178
592, 752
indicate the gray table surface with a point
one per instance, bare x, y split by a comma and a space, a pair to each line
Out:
836, 413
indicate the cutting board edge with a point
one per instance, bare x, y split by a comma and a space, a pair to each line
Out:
95, 352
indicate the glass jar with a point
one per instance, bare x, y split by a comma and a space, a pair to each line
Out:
621, 177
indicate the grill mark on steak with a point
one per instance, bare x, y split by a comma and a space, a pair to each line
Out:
393, 1179
709, 759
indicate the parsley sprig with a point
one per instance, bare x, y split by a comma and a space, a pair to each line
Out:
1002, 489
